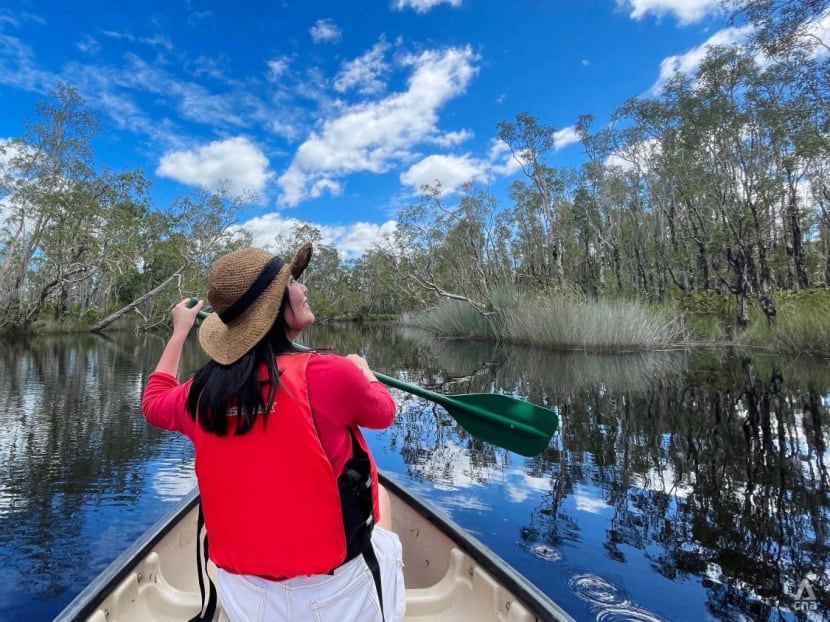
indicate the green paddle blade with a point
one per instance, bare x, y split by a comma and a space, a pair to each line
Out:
501, 420
521, 427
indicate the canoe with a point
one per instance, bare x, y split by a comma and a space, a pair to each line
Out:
449, 574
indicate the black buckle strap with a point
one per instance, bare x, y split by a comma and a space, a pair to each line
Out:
374, 567
208, 609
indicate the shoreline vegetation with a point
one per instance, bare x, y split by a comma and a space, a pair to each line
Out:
571, 323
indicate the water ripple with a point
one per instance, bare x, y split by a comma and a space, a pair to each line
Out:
627, 614
548, 553
597, 590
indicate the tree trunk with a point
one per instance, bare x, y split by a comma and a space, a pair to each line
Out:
798, 265
738, 262
560, 271
63, 297
124, 310
601, 276
827, 262
10, 252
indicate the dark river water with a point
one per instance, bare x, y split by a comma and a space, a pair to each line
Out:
678, 487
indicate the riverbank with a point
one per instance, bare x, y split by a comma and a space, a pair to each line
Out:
801, 325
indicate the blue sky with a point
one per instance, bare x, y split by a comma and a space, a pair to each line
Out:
335, 112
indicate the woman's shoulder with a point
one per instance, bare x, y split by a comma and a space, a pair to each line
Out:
327, 359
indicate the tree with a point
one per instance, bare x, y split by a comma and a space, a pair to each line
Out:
455, 251
530, 142
50, 190
782, 25
380, 290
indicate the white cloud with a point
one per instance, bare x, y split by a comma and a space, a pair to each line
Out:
452, 138
157, 40
689, 62
321, 186
503, 162
325, 31
5, 156
451, 170
284, 128
521, 486
686, 11
373, 136
18, 68
265, 228
351, 241
236, 162
361, 237
587, 501
8, 151
88, 45
817, 33
423, 6
564, 137
364, 73
277, 67
115, 86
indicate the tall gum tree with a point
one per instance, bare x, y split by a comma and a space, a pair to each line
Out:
50, 173
531, 142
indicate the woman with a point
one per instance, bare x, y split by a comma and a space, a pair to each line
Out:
297, 522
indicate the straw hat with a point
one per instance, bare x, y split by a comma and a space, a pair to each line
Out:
245, 290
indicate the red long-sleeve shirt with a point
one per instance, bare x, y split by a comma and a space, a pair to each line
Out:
339, 393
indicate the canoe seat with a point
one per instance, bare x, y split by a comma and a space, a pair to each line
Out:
465, 592
159, 600
444, 583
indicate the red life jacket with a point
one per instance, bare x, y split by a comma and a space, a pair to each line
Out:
270, 496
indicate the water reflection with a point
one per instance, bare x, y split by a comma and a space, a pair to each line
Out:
707, 468
70, 445
695, 479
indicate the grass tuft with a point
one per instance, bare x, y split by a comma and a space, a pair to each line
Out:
560, 323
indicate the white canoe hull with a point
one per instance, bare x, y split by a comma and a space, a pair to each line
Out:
449, 575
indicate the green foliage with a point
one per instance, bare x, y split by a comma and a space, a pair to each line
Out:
709, 316
717, 304
91, 315
802, 325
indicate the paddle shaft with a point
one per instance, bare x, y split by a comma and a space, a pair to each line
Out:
450, 403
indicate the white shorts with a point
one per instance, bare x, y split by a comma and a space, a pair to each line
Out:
348, 595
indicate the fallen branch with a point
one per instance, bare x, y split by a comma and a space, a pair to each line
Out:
135, 303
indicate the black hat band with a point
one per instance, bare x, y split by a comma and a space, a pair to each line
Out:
266, 276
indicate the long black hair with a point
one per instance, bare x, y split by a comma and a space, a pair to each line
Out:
216, 388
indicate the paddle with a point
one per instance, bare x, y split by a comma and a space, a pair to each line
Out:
505, 421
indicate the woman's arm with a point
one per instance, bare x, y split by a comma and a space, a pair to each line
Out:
344, 390
163, 402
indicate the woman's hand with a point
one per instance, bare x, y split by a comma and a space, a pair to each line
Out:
184, 316
362, 365
183, 319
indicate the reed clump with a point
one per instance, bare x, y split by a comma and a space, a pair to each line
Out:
562, 322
